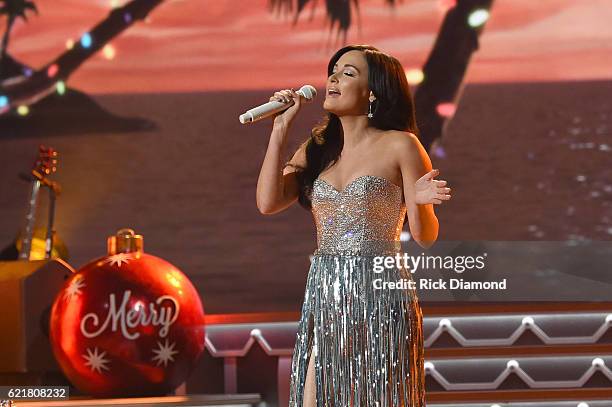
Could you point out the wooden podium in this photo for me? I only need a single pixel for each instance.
(27, 291)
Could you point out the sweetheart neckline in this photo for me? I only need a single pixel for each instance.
(357, 179)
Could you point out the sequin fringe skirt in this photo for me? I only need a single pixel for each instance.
(367, 342)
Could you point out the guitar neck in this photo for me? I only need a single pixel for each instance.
(28, 232)
(50, 224)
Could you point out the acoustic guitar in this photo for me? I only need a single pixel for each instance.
(44, 241)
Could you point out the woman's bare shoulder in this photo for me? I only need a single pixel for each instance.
(402, 142)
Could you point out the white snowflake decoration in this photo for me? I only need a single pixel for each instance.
(164, 353)
(119, 259)
(75, 288)
(96, 361)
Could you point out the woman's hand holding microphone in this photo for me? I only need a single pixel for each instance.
(282, 120)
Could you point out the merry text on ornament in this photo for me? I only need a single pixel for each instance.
(165, 316)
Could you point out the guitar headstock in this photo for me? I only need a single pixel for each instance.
(46, 162)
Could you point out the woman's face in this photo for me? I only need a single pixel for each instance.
(350, 78)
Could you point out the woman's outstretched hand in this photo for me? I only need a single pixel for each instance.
(431, 191)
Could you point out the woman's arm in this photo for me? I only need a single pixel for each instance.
(421, 192)
(277, 187)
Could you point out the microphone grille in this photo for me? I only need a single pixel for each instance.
(308, 91)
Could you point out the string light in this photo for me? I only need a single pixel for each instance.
(69, 43)
(52, 70)
(60, 87)
(414, 76)
(108, 51)
(127, 17)
(478, 17)
(446, 109)
(3, 101)
(438, 150)
(114, 3)
(23, 110)
(86, 40)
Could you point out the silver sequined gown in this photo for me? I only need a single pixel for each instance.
(367, 342)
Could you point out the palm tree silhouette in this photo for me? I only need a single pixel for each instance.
(29, 88)
(446, 65)
(13, 9)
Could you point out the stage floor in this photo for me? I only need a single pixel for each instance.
(209, 400)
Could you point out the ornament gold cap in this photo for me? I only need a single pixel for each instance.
(125, 241)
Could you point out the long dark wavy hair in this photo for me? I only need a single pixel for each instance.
(393, 109)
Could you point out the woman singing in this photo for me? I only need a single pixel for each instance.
(360, 172)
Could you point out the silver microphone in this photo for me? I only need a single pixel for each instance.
(274, 106)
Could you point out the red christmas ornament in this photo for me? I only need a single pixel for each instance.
(128, 324)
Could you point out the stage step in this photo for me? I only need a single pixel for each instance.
(476, 355)
(518, 397)
(208, 400)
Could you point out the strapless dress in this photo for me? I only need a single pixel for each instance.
(367, 341)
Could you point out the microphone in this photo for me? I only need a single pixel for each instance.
(274, 106)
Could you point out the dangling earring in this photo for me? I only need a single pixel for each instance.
(370, 114)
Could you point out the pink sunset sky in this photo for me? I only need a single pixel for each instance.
(201, 45)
